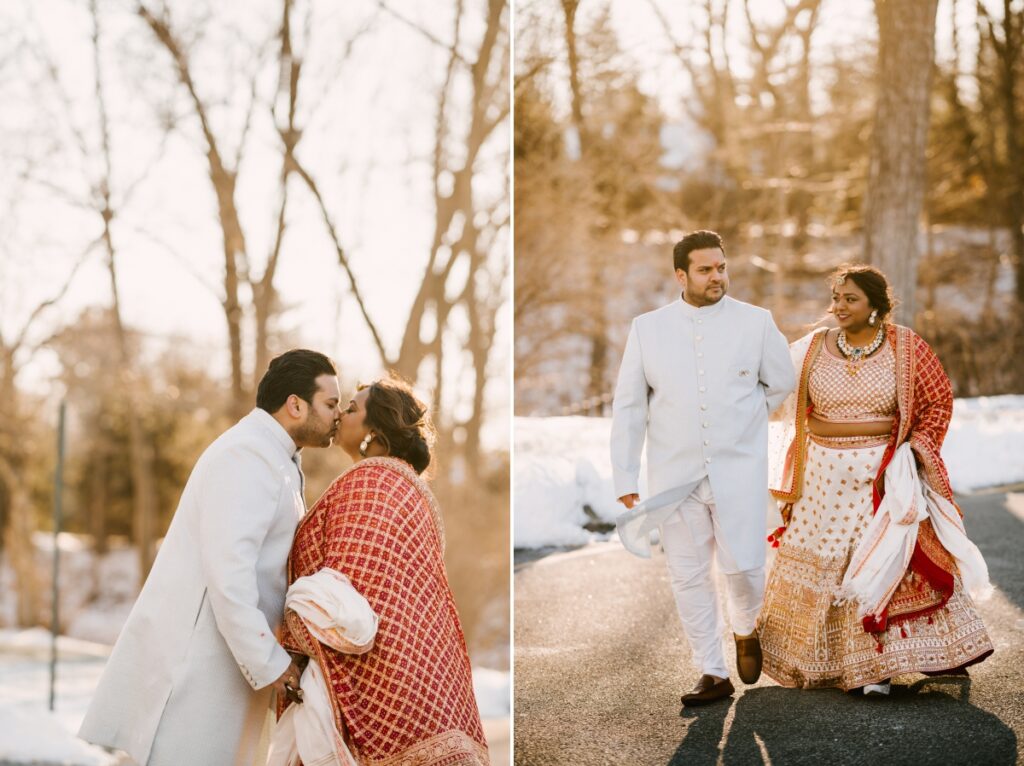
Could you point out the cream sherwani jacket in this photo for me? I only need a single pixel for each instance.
(188, 679)
(698, 384)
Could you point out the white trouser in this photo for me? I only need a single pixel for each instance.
(690, 537)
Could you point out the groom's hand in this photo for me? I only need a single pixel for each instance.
(630, 500)
(290, 677)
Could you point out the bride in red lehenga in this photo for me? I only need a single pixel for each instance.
(409, 699)
(865, 390)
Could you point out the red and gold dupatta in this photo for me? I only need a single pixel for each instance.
(925, 408)
(410, 699)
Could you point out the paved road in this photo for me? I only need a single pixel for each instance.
(600, 663)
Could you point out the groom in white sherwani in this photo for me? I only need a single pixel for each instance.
(698, 380)
(190, 677)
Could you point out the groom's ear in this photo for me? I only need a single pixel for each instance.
(296, 406)
(681, 278)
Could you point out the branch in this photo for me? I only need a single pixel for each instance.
(60, 293)
(426, 33)
(343, 260)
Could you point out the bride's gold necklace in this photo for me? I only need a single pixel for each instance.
(855, 355)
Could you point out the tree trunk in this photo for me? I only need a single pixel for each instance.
(896, 176)
(140, 450)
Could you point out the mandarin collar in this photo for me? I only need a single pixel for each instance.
(269, 423)
(692, 312)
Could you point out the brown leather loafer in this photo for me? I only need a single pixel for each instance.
(748, 657)
(708, 689)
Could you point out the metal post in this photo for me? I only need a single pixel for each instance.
(57, 523)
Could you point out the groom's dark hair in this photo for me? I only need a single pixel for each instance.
(293, 372)
(697, 240)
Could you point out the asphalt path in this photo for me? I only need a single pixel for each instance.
(600, 662)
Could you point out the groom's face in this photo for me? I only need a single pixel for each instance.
(706, 281)
(322, 415)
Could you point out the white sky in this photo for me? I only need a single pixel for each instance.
(368, 144)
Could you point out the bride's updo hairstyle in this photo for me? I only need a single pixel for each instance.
(872, 281)
(400, 421)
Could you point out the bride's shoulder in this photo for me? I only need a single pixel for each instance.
(804, 341)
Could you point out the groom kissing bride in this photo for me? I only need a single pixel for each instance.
(202, 658)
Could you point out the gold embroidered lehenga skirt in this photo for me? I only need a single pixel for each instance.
(806, 640)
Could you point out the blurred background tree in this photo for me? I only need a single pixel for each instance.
(188, 192)
(806, 132)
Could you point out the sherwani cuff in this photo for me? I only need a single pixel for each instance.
(279, 662)
(625, 484)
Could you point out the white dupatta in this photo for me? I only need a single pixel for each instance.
(339, 617)
(883, 554)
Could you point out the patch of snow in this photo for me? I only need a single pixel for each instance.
(492, 689)
(985, 443)
(39, 737)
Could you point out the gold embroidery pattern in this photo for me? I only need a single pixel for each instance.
(806, 640)
(840, 398)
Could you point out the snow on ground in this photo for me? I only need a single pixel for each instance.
(562, 465)
(493, 690)
(29, 732)
(985, 443)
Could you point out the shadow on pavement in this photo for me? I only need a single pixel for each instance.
(927, 722)
(703, 734)
(1000, 535)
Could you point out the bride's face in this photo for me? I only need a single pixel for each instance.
(351, 430)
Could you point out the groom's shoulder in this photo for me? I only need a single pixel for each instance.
(656, 315)
(242, 442)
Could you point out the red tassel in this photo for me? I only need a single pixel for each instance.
(929, 619)
(903, 631)
(878, 647)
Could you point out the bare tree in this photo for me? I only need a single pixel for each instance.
(1006, 38)
(896, 179)
(141, 452)
(467, 231)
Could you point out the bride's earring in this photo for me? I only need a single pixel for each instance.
(365, 443)
(873, 318)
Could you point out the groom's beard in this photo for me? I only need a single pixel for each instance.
(315, 432)
(709, 296)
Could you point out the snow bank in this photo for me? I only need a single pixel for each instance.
(985, 443)
(562, 466)
(38, 737)
(492, 691)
